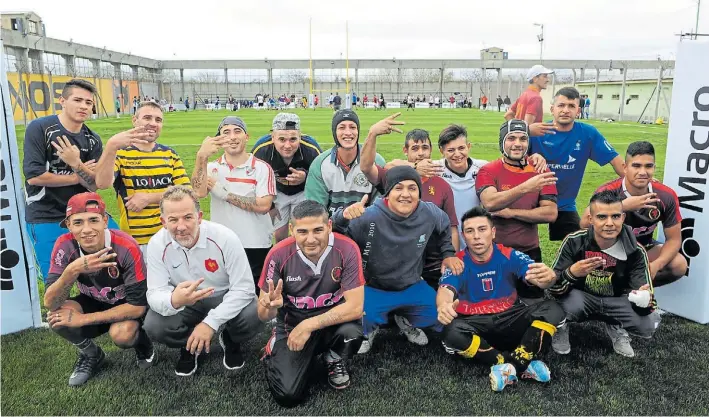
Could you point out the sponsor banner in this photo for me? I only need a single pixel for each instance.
(393, 105)
(686, 172)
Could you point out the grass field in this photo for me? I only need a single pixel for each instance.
(666, 377)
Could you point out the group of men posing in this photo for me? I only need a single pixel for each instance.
(450, 245)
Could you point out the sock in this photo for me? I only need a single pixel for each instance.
(534, 341)
(88, 347)
(331, 356)
(481, 351)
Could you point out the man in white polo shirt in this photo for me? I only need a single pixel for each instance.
(199, 283)
(243, 188)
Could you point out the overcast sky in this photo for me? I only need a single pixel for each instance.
(278, 29)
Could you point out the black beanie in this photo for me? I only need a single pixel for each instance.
(341, 116)
(399, 174)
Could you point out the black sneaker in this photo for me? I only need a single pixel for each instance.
(145, 354)
(86, 367)
(187, 365)
(337, 374)
(233, 359)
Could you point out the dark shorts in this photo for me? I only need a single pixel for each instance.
(566, 222)
(530, 294)
(88, 306)
(256, 257)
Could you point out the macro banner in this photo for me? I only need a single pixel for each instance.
(19, 297)
(687, 172)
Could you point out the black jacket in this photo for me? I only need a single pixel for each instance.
(615, 279)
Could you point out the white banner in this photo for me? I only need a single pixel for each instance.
(370, 105)
(421, 105)
(686, 167)
(19, 297)
(393, 105)
(448, 106)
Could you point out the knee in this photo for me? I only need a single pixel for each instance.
(554, 313)
(647, 326)
(678, 266)
(157, 326)
(572, 306)
(287, 397)
(454, 337)
(350, 331)
(124, 333)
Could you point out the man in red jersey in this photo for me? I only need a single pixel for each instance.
(519, 198)
(313, 284)
(529, 105)
(647, 202)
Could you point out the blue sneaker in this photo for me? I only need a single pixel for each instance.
(502, 376)
(538, 371)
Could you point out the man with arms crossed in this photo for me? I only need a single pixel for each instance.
(289, 153)
(393, 234)
(140, 170)
(567, 151)
(483, 315)
(199, 283)
(314, 285)
(519, 197)
(60, 153)
(603, 274)
(108, 269)
(646, 203)
(243, 188)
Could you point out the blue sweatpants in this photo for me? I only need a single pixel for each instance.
(43, 236)
(417, 303)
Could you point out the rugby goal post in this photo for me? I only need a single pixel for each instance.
(19, 295)
(686, 172)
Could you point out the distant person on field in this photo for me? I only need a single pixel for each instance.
(140, 170)
(499, 103)
(60, 155)
(646, 203)
(483, 316)
(484, 101)
(109, 272)
(199, 285)
(529, 106)
(242, 188)
(317, 311)
(507, 102)
(118, 107)
(567, 148)
(587, 106)
(290, 154)
(603, 274)
(336, 102)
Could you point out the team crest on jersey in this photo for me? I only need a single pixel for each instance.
(58, 257)
(113, 272)
(431, 190)
(654, 214)
(215, 172)
(578, 145)
(211, 265)
(360, 180)
(336, 273)
(487, 284)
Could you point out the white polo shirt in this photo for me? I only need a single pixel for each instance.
(218, 257)
(254, 178)
(463, 187)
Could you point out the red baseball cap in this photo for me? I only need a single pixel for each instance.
(79, 202)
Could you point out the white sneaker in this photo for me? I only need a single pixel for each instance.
(620, 339)
(414, 335)
(560, 340)
(367, 342)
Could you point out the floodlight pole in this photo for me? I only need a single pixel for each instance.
(696, 24)
(347, 57)
(540, 37)
(310, 41)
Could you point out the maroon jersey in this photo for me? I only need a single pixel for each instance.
(309, 289)
(437, 191)
(644, 221)
(116, 285)
(514, 233)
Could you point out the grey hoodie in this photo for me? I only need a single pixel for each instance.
(393, 246)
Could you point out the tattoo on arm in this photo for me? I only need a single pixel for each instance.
(244, 203)
(60, 298)
(328, 319)
(87, 177)
(198, 178)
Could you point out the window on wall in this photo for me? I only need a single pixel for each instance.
(599, 97)
(634, 96)
(14, 24)
(615, 97)
(32, 26)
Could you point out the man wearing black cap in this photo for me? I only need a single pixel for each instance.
(290, 154)
(243, 188)
(393, 234)
(335, 178)
(518, 197)
(109, 272)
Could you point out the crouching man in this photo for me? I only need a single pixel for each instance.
(199, 284)
(313, 284)
(484, 317)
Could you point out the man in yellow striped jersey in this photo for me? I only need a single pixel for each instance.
(140, 170)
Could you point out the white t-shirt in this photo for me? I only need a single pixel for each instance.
(252, 179)
(463, 189)
(437, 100)
(259, 99)
(218, 257)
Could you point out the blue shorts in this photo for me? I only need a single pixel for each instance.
(43, 236)
(417, 303)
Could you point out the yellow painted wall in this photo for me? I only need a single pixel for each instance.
(39, 96)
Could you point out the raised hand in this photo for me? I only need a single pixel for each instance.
(585, 266)
(637, 202)
(538, 182)
(187, 294)
(356, 209)
(296, 176)
(387, 125)
(541, 129)
(132, 137)
(429, 168)
(540, 275)
(67, 151)
(212, 145)
(93, 262)
(274, 297)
